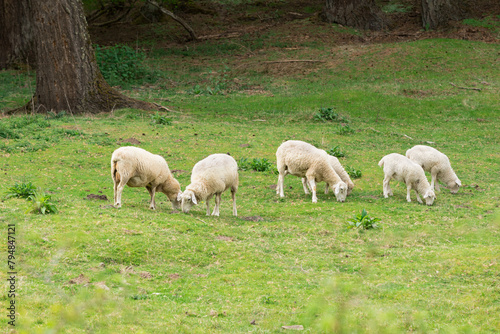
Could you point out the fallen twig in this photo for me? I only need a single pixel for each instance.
(468, 88)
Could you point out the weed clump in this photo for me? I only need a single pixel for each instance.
(353, 172)
(363, 221)
(41, 202)
(158, 119)
(329, 115)
(256, 164)
(120, 64)
(336, 152)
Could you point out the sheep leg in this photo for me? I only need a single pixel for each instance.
(312, 184)
(119, 189)
(305, 185)
(217, 205)
(418, 198)
(434, 181)
(208, 207)
(233, 195)
(279, 188)
(151, 191)
(386, 187)
(408, 189)
(326, 188)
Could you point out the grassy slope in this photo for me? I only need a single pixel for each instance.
(430, 269)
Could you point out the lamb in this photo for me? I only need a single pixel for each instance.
(337, 166)
(211, 176)
(136, 167)
(400, 168)
(304, 160)
(437, 164)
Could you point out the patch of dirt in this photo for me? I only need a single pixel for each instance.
(145, 275)
(131, 140)
(81, 279)
(99, 197)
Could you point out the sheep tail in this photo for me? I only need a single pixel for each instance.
(114, 171)
(381, 162)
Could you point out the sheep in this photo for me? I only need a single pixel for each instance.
(211, 176)
(400, 168)
(437, 164)
(304, 160)
(337, 166)
(136, 167)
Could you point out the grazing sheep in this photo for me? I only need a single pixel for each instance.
(400, 168)
(211, 176)
(136, 167)
(304, 160)
(437, 164)
(337, 166)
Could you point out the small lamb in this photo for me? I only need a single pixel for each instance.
(337, 166)
(304, 160)
(211, 176)
(136, 167)
(400, 168)
(437, 164)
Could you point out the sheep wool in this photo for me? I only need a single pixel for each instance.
(400, 168)
(211, 176)
(436, 163)
(136, 167)
(302, 159)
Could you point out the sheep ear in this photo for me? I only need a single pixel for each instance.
(193, 198)
(459, 182)
(179, 196)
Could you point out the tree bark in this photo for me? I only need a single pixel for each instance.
(15, 34)
(67, 76)
(438, 13)
(361, 14)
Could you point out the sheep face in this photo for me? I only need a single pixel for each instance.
(188, 199)
(454, 185)
(340, 191)
(429, 197)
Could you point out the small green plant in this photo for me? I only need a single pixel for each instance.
(41, 203)
(336, 152)
(159, 119)
(345, 129)
(7, 133)
(353, 172)
(256, 164)
(363, 221)
(121, 64)
(21, 190)
(329, 115)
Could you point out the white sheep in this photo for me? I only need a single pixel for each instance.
(337, 166)
(136, 167)
(301, 159)
(400, 168)
(437, 164)
(211, 176)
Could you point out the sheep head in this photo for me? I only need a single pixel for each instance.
(454, 185)
(429, 197)
(187, 199)
(340, 191)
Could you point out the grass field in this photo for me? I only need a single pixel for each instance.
(92, 268)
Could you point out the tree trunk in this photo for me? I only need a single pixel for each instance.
(15, 33)
(437, 13)
(67, 76)
(361, 14)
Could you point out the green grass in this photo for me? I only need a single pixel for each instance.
(281, 261)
